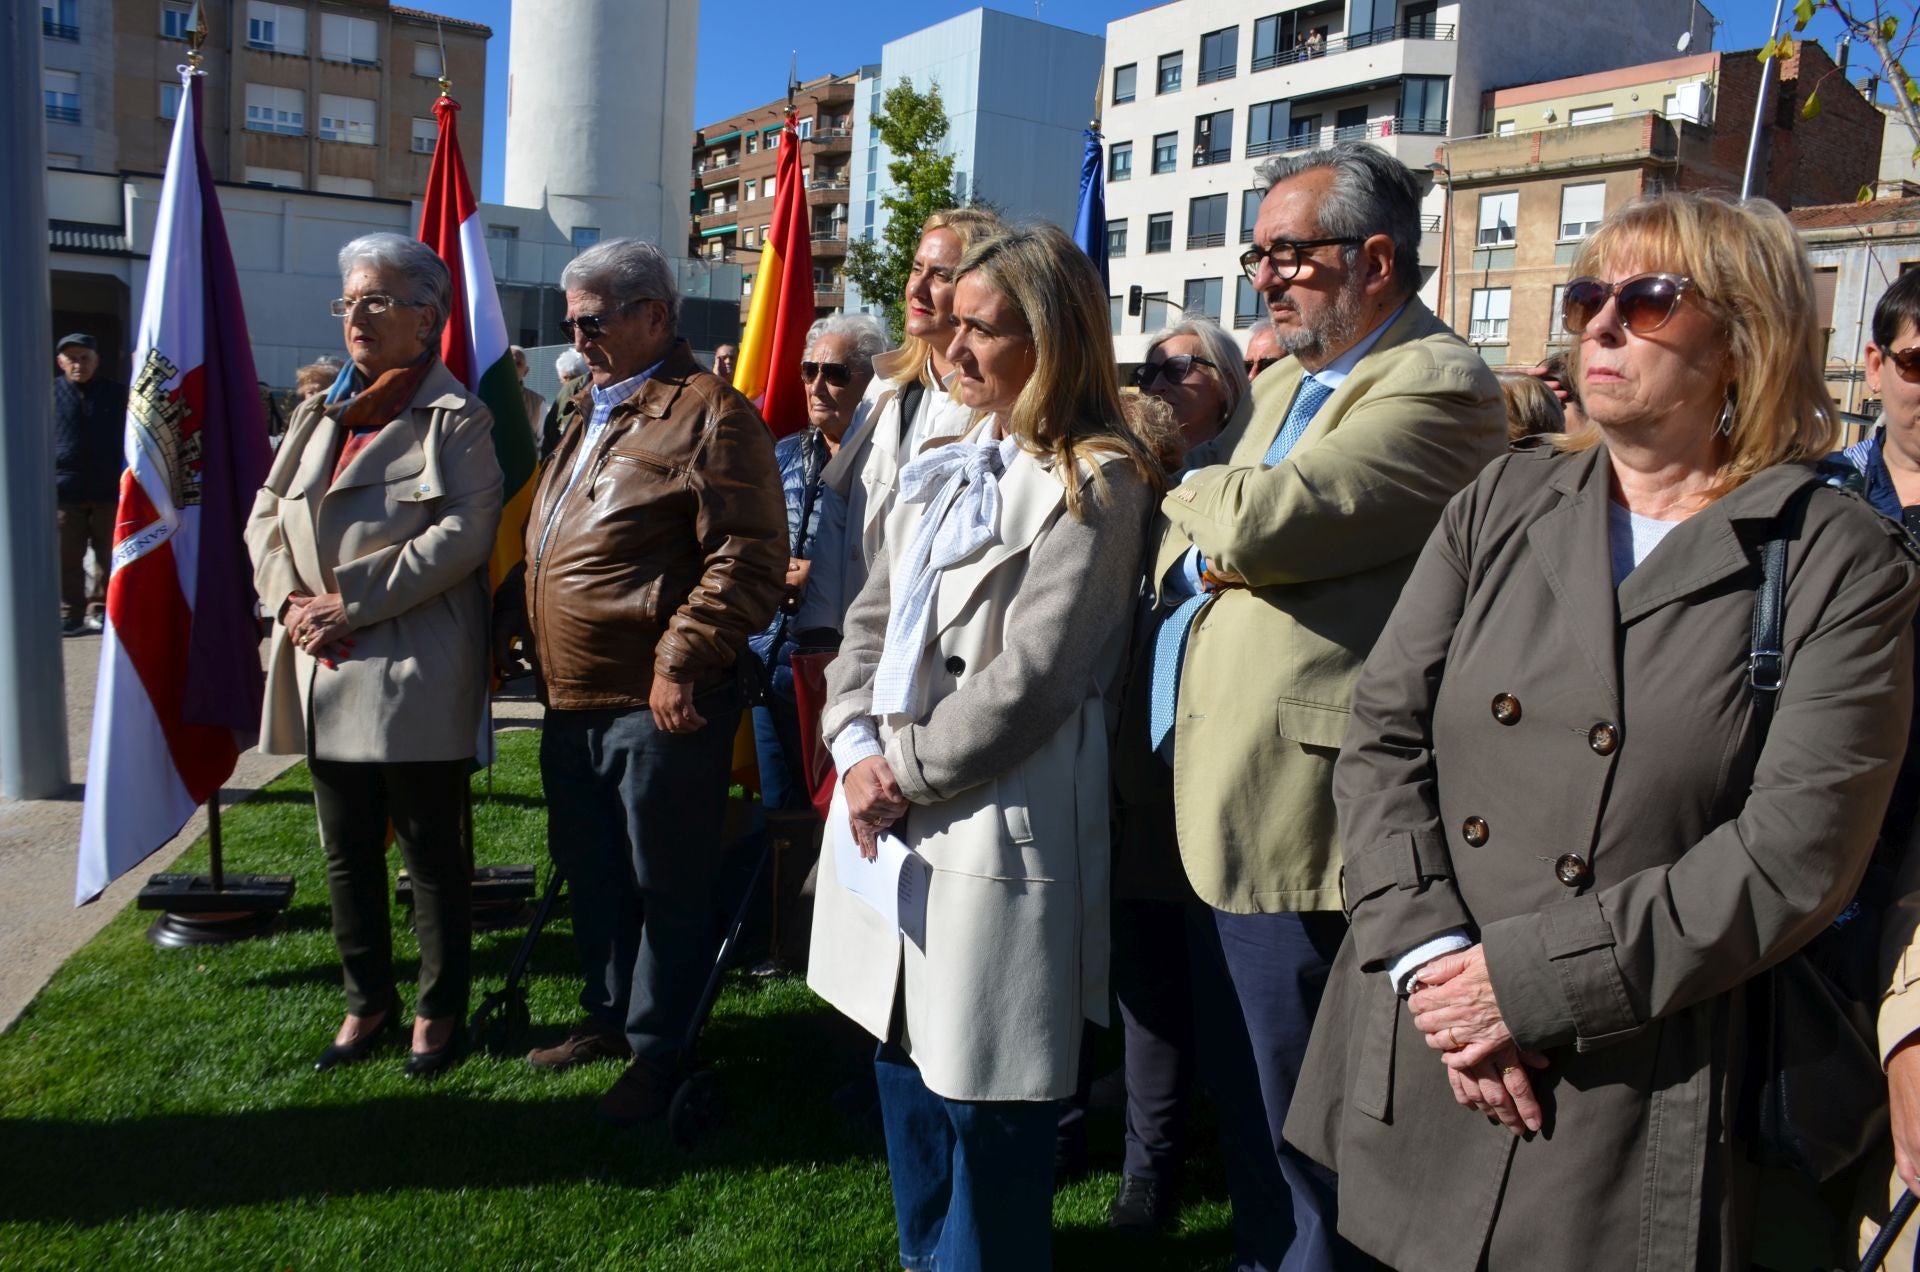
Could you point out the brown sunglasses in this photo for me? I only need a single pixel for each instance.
(1905, 361)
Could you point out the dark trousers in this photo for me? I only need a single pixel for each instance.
(972, 1181)
(1258, 979)
(1153, 982)
(426, 803)
(634, 822)
(776, 743)
(84, 525)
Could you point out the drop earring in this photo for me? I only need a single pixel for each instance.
(1725, 426)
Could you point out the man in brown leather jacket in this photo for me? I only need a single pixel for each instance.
(656, 543)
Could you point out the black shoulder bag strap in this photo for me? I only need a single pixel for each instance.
(1769, 615)
(910, 405)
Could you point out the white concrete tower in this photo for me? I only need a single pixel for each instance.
(600, 115)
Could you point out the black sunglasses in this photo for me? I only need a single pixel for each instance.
(1287, 255)
(838, 374)
(1176, 369)
(594, 326)
(1905, 361)
(1255, 366)
(1644, 302)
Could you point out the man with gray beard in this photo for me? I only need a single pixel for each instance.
(1279, 557)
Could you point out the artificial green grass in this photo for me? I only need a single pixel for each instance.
(159, 1107)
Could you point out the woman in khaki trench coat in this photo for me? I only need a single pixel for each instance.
(968, 712)
(1567, 845)
(370, 542)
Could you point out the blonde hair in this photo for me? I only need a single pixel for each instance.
(1750, 273)
(970, 226)
(1070, 407)
(1532, 408)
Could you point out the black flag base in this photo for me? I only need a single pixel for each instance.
(214, 908)
(502, 896)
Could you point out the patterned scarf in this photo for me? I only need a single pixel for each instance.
(364, 411)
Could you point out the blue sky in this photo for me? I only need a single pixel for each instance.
(745, 46)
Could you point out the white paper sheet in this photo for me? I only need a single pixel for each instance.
(894, 883)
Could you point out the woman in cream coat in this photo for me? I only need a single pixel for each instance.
(370, 543)
(968, 713)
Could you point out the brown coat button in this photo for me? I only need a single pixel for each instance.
(1604, 738)
(1474, 830)
(955, 665)
(1506, 708)
(1573, 870)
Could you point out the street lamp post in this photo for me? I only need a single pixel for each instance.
(1443, 169)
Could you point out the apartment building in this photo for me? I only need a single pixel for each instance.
(1198, 92)
(734, 162)
(1553, 159)
(335, 96)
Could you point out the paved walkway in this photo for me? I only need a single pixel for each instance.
(39, 841)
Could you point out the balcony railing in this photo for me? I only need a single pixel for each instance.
(829, 183)
(1415, 29)
(1373, 130)
(831, 134)
(1430, 224)
(1487, 331)
(1216, 239)
(830, 236)
(1214, 74)
(58, 30)
(1243, 321)
(64, 114)
(1202, 158)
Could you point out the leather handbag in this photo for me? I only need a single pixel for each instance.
(1820, 1096)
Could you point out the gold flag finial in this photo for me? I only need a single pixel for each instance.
(196, 35)
(446, 85)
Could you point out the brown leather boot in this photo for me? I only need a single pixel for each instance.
(643, 1093)
(585, 1043)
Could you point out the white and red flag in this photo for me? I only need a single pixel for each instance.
(180, 679)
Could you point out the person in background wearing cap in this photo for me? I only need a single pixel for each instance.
(89, 417)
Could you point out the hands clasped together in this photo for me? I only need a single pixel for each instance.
(318, 624)
(1453, 1005)
(874, 802)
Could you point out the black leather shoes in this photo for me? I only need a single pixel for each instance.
(354, 1052)
(1142, 1205)
(427, 1064)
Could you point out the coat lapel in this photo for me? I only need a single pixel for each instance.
(1570, 545)
(1707, 547)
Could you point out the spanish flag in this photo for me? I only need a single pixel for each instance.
(768, 371)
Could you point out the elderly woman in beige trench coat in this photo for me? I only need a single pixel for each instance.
(370, 542)
(1567, 847)
(968, 712)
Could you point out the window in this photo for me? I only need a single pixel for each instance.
(174, 20)
(60, 19)
(1582, 208)
(1119, 161)
(426, 134)
(169, 101)
(803, 128)
(1166, 152)
(1423, 105)
(1116, 310)
(1248, 304)
(752, 190)
(1277, 40)
(276, 28)
(1116, 238)
(1350, 124)
(1202, 297)
(348, 119)
(1557, 333)
(1213, 138)
(61, 89)
(1153, 311)
(1303, 131)
(1490, 305)
(1418, 20)
(1219, 54)
(1267, 128)
(1123, 82)
(753, 143)
(503, 233)
(1169, 80)
(427, 61)
(1159, 232)
(1497, 215)
(1589, 114)
(1207, 222)
(1504, 128)
(746, 238)
(276, 110)
(585, 236)
(1250, 201)
(285, 178)
(344, 39)
(1826, 279)
(330, 184)
(717, 204)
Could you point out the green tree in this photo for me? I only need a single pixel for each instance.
(912, 124)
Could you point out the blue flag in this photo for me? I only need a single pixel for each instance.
(1090, 222)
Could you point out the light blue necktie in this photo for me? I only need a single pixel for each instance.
(1170, 642)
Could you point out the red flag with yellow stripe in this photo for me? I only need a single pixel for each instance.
(768, 370)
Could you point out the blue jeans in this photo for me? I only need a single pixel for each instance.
(776, 743)
(634, 822)
(972, 1182)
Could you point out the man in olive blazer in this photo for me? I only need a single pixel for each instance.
(1278, 561)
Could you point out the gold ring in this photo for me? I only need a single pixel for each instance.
(1505, 1069)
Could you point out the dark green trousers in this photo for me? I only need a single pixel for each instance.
(425, 802)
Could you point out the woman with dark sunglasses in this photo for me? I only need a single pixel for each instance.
(836, 366)
(1194, 367)
(1578, 815)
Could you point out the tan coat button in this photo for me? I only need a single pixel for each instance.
(1506, 708)
(1474, 831)
(1573, 870)
(1604, 738)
